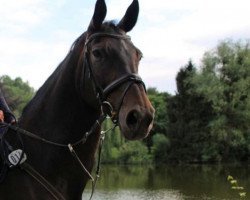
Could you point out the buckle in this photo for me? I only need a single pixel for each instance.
(107, 108)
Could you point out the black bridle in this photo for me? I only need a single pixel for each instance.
(106, 108)
(103, 93)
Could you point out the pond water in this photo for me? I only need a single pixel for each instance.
(182, 182)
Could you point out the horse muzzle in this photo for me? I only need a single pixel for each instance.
(136, 115)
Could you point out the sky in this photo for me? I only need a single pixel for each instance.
(36, 35)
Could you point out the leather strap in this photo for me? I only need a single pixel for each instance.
(135, 78)
(40, 179)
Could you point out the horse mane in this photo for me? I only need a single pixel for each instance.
(110, 26)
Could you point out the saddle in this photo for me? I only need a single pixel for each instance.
(10, 156)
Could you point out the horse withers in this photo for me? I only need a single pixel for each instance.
(98, 76)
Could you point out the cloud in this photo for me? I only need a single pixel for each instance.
(171, 32)
(35, 35)
(18, 16)
(25, 52)
(30, 59)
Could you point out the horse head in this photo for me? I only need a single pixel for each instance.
(111, 61)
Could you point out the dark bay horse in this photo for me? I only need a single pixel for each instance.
(100, 69)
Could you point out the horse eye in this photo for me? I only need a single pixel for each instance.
(97, 53)
(141, 56)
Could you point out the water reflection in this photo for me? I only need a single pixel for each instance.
(187, 182)
(137, 195)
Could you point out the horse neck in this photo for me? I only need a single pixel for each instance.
(58, 113)
(58, 103)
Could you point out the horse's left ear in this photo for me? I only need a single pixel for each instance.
(98, 17)
(130, 18)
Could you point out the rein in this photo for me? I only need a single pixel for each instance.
(39, 178)
(106, 108)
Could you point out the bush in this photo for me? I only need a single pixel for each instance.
(160, 148)
(134, 152)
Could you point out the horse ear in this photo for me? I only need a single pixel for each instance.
(130, 18)
(99, 16)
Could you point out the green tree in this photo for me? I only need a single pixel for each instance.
(112, 144)
(189, 114)
(209, 116)
(226, 71)
(17, 93)
(159, 102)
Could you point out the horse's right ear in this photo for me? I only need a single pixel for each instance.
(99, 16)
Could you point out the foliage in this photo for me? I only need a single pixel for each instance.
(134, 152)
(160, 148)
(235, 186)
(210, 114)
(189, 114)
(231, 99)
(17, 93)
(159, 101)
(112, 143)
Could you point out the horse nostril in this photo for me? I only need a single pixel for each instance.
(132, 119)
